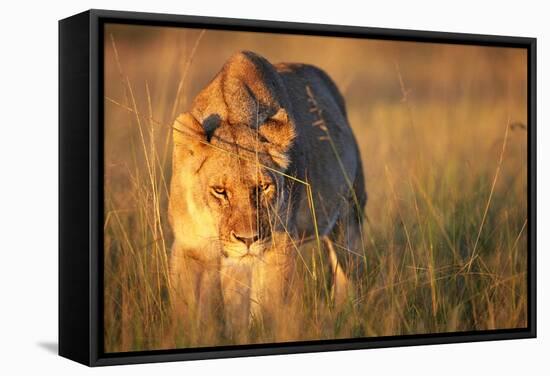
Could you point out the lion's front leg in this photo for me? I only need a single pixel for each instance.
(275, 290)
(236, 283)
(195, 300)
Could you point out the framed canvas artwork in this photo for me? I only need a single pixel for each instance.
(238, 187)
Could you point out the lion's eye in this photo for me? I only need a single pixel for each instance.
(219, 191)
(265, 187)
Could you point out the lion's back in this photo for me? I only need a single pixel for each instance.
(311, 72)
(326, 153)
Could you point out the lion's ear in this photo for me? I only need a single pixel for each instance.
(188, 133)
(280, 132)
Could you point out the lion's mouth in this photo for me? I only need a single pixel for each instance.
(241, 251)
(248, 255)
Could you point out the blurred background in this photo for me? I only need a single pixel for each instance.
(443, 137)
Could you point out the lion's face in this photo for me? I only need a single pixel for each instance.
(242, 197)
(229, 188)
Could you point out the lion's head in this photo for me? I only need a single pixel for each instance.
(226, 194)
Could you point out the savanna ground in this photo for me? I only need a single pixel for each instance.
(443, 138)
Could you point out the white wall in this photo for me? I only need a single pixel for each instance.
(28, 198)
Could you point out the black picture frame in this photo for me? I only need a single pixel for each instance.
(81, 183)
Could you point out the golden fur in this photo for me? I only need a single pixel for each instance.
(235, 212)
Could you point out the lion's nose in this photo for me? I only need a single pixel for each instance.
(248, 241)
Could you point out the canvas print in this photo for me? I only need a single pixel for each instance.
(266, 188)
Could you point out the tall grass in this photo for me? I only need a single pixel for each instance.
(445, 244)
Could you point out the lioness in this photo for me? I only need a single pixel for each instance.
(255, 138)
